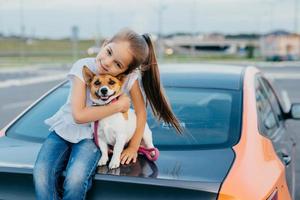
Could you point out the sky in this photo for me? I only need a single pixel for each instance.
(99, 18)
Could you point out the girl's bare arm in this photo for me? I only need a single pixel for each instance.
(84, 114)
(130, 153)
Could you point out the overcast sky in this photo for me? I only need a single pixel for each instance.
(54, 18)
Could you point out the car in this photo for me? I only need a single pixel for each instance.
(235, 143)
(279, 58)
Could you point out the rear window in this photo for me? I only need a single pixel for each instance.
(211, 118)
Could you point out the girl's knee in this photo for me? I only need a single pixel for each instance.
(42, 174)
(79, 177)
(78, 183)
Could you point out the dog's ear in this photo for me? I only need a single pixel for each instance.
(88, 75)
(122, 77)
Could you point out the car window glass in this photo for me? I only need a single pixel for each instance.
(211, 118)
(267, 120)
(272, 98)
(206, 115)
(270, 121)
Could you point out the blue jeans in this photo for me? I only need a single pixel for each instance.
(79, 161)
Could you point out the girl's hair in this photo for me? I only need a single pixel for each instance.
(144, 58)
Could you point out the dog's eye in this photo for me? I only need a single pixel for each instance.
(111, 82)
(97, 82)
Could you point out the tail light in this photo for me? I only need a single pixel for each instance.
(273, 196)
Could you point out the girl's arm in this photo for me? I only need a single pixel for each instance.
(130, 153)
(84, 114)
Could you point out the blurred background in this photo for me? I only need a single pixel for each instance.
(39, 40)
(61, 31)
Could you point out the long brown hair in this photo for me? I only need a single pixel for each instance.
(144, 58)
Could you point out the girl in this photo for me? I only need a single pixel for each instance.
(70, 146)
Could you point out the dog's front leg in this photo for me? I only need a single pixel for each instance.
(118, 148)
(104, 153)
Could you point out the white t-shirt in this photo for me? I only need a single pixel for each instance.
(62, 121)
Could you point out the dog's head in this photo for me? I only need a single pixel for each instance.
(104, 88)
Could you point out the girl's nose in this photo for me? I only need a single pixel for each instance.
(107, 61)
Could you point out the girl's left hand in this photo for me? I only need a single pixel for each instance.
(128, 155)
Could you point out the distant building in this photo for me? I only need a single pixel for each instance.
(280, 46)
(208, 44)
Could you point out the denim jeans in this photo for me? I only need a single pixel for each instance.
(79, 161)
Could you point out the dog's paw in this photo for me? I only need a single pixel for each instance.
(114, 163)
(116, 171)
(103, 160)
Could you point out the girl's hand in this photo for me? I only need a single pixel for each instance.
(128, 155)
(124, 103)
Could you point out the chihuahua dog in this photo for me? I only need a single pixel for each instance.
(117, 129)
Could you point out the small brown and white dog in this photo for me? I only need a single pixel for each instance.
(117, 129)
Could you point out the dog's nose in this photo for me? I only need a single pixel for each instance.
(104, 91)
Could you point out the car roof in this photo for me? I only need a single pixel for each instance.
(202, 75)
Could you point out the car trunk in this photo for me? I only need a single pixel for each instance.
(176, 174)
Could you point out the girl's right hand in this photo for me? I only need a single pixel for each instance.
(124, 103)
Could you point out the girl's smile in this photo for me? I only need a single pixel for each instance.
(102, 68)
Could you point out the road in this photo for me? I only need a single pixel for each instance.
(20, 88)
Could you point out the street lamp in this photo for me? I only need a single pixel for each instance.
(22, 30)
(296, 26)
(296, 16)
(161, 9)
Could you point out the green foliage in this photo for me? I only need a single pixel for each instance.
(38, 46)
(15, 52)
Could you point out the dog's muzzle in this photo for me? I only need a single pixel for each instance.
(104, 93)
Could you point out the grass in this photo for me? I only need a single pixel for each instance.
(39, 45)
(18, 53)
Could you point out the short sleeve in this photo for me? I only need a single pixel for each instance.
(77, 67)
(76, 70)
(131, 78)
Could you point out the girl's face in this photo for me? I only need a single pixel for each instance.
(114, 58)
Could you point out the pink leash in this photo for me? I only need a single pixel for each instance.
(142, 150)
(97, 122)
(95, 133)
(148, 153)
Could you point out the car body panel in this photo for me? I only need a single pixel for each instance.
(174, 169)
(256, 161)
(283, 139)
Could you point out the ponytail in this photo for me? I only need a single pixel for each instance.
(154, 91)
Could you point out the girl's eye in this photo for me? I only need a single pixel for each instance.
(108, 52)
(118, 65)
(111, 82)
(97, 82)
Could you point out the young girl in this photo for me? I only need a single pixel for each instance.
(70, 145)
